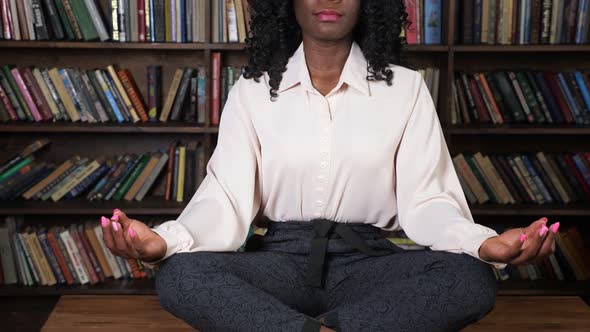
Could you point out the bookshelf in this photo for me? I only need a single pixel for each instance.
(97, 139)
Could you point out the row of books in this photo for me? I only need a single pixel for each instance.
(569, 262)
(540, 178)
(127, 177)
(70, 94)
(431, 76)
(525, 96)
(524, 22)
(186, 170)
(425, 21)
(230, 21)
(111, 95)
(176, 21)
(73, 254)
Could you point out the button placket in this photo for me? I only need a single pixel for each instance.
(324, 161)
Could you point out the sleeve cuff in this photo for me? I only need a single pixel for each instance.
(177, 239)
(474, 242)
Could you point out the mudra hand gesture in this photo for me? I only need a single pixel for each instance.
(130, 238)
(530, 244)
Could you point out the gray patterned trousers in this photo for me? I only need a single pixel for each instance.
(265, 288)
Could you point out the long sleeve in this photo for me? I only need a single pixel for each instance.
(432, 208)
(218, 216)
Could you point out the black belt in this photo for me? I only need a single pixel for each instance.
(319, 245)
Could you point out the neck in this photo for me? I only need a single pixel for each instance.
(326, 59)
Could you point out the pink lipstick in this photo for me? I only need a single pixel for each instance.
(328, 15)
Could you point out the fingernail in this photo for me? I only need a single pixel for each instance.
(104, 221)
(115, 217)
(543, 230)
(115, 211)
(554, 227)
(544, 219)
(116, 226)
(131, 232)
(522, 237)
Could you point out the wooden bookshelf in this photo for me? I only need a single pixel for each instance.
(147, 287)
(146, 128)
(100, 139)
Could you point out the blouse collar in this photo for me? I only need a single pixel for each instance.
(354, 72)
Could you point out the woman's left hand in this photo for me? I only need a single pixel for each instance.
(538, 243)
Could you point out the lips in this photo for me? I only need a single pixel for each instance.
(328, 15)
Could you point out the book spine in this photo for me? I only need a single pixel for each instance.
(93, 96)
(201, 95)
(60, 258)
(74, 97)
(72, 19)
(141, 20)
(84, 259)
(93, 260)
(153, 92)
(26, 94)
(62, 247)
(96, 18)
(109, 96)
(87, 182)
(75, 257)
(129, 180)
(52, 260)
(56, 28)
(97, 251)
(152, 177)
(36, 94)
(133, 94)
(215, 81)
(107, 253)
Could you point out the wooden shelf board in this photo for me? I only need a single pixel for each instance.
(147, 287)
(157, 205)
(150, 205)
(520, 48)
(578, 209)
(165, 46)
(109, 287)
(517, 130)
(68, 127)
(544, 287)
(103, 45)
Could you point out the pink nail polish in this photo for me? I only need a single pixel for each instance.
(543, 230)
(554, 227)
(104, 221)
(116, 226)
(131, 232)
(522, 237)
(115, 211)
(115, 217)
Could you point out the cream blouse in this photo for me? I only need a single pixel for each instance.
(364, 153)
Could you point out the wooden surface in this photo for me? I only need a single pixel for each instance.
(535, 313)
(143, 313)
(112, 313)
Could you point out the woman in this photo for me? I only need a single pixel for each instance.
(329, 140)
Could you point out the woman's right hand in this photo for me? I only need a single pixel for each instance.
(130, 238)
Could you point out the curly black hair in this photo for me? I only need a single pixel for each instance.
(275, 35)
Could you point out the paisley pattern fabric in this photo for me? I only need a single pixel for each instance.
(264, 288)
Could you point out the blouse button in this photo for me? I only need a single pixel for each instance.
(323, 164)
(319, 202)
